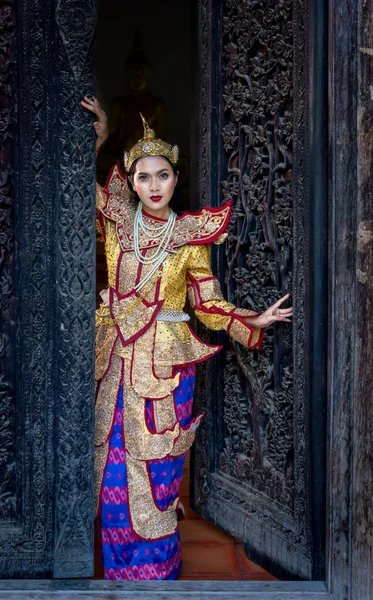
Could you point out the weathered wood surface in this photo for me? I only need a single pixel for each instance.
(207, 590)
(342, 228)
(362, 476)
(203, 593)
(351, 302)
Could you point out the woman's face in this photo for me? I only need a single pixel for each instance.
(154, 181)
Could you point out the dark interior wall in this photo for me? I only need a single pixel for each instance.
(165, 28)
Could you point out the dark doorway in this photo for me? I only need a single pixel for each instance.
(153, 42)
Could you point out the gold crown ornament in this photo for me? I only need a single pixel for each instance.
(150, 145)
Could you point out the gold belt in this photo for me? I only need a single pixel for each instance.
(167, 314)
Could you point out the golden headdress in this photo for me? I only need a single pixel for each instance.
(150, 145)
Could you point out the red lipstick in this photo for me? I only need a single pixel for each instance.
(155, 198)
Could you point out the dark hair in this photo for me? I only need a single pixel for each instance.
(176, 202)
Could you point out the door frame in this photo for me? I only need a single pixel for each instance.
(350, 336)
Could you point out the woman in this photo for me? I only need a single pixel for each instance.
(146, 353)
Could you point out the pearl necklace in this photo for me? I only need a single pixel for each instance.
(149, 230)
(162, 233)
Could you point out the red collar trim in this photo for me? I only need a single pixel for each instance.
(202, 227)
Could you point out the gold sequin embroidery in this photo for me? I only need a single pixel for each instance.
(127, 273)
(208, 303)
(210, 290)
(112, 252)
(143, 381)
(104, 349)
(141, 443)
(106, 400)
(244, 312)
(131, 314)
(148, 521)
(175, 345)
(240, 332)
(164, 413)
(186, 437)
(213, 320)
(100, 197)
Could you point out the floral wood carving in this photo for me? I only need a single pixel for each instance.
(75, 294)
(7, 302)
(25, 551)
(257, 141)
(256, 102)
(76, 22)
(54, 287)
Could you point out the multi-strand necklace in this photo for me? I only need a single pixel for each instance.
(162, 233)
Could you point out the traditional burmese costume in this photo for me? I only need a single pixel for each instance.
(146, 354)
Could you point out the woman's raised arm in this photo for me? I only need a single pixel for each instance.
(101, 125)
(209, 305)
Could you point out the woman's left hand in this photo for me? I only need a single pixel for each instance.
(272, 314)
(101, 125)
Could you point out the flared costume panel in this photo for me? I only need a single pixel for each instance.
(125, 555)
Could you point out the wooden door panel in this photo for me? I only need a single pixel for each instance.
(26, 420)
(76, 293)
(259, 458)
(8, 494)
(47, 295)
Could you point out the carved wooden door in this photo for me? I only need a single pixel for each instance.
(258, 466)
(47, 289)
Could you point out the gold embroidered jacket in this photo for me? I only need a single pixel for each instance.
(187, 271)
(139, 344)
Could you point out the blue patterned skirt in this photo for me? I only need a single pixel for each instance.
(125, 555)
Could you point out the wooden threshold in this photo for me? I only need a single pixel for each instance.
(207, 590)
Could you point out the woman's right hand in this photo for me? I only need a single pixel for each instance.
(101, 125)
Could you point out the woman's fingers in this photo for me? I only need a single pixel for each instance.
(88, 106)
(94, 106)
(278, 303)
(281, 317)
(89, 101)
(281, 301)
(285, 311)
